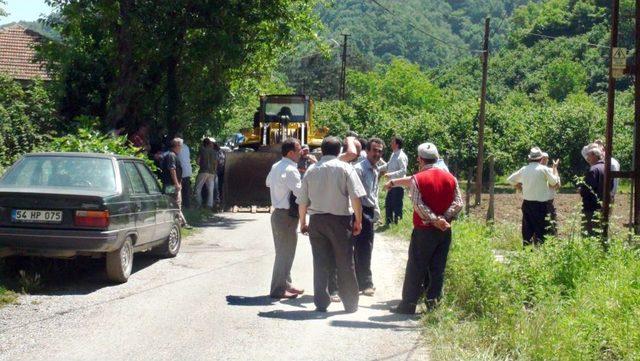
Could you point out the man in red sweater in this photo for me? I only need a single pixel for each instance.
(436, 201)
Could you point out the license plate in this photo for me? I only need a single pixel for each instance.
(36, 216)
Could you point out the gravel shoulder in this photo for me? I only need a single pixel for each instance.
(210, 303)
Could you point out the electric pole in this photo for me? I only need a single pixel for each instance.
(615, 10)
(483, 101)
(343, 72)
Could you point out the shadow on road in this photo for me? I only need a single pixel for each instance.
(371, 325)
(62, 277)
(299, 315)
(221, 221)
(268, 301)
(250, 301)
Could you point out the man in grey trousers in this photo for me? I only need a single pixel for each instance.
(325, 193)
(283, 182)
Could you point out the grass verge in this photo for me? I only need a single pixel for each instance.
(566, 300)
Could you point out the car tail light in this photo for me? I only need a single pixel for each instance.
(98, 219)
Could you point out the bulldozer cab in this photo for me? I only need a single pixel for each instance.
(277, 118)
(280, 117)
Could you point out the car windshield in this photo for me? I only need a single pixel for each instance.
(62, 172)
(295, 109)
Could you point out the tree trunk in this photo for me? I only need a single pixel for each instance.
(118, 113)
(173, 97)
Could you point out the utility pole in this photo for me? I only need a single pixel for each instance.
(343, 72)
(483, 101)
(606, 202)
(636, 129)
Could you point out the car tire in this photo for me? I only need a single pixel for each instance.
(120, 262)
(171, 246)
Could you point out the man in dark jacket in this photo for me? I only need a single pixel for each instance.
(592, 189)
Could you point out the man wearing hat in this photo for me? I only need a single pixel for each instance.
(536, 179)
(306, 160)
(436, 201)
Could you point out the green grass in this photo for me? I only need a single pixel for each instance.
(567, 300)
(7, 297)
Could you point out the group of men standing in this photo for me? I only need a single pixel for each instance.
(339, 192)
(176, 172)
(539, 184)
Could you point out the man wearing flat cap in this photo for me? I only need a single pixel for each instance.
(436, 201)
(536, 180)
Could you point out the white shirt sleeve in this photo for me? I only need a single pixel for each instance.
(293, 181)
(269, 181)
(516, 177)
(552, 179)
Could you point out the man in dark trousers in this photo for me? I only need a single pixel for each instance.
(325, 193)
(396, 168)
(172, 176)
(369, 174)
(592, 189)
(537, 181)
(436, 201)
(284, 180)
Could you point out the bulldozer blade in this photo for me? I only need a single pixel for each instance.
(245, 176)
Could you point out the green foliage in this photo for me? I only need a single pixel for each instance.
(168, 63)
(567, 300)
(565, 77)
(26, 117)
(89, 140)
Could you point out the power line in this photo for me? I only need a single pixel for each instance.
(420, 30)
(565, 38)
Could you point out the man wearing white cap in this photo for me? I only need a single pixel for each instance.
(592, 188)
(536, 180)
(436, 201)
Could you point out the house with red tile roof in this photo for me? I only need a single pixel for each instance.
(17, 53)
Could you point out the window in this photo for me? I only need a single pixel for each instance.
(135, 180)
(46, 171)
(149, 178)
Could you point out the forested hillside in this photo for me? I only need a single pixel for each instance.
(427, 32)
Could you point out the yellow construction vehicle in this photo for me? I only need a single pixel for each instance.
(279, 117)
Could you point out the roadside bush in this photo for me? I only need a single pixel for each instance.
(92, 141)
(26, 118)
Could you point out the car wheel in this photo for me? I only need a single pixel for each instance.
(120, 262)
(171, 246)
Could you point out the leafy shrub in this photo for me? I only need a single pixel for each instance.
(92, 141)
(26, 118)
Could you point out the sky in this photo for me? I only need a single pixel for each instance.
(28, 10)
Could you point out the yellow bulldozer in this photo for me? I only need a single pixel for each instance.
(277, 118)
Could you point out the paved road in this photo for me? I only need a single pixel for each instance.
(209, 303)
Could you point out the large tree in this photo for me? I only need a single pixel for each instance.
(168, 62)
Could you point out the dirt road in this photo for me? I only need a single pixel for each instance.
(210, 303)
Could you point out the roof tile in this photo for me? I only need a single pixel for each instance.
(17, 54)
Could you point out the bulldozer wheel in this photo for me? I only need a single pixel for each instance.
(234, 209)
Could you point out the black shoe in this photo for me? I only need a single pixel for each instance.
(404, 310)
(431, 305)
(318, 309)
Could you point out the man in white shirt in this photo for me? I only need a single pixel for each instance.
(536, 180)
(187, 171)
(396, 168)
(283, 182)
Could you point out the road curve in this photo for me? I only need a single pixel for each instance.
(210, 303)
